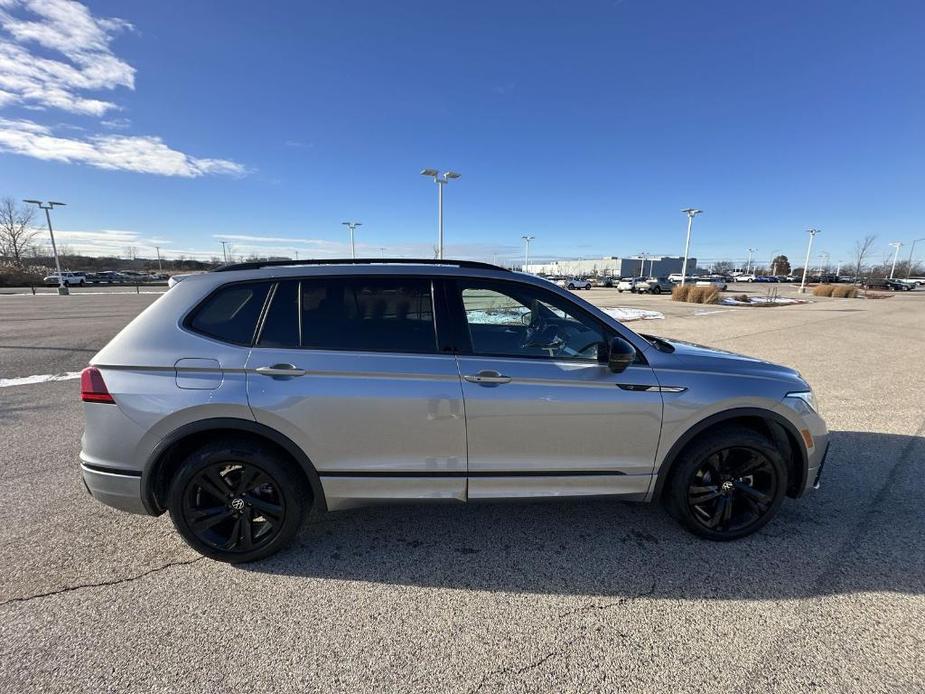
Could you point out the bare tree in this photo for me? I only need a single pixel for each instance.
(16, 231)
(862, 249)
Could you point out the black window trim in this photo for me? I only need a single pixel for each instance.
(457, 316)
(186, 322)
(424, 279)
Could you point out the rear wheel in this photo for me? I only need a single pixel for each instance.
(656, 290)
(236, 501)
(727, 485)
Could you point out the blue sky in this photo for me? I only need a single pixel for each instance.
(588, 125)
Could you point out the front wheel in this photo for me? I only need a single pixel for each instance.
(656, 290)
(727, 485)
(236, 501)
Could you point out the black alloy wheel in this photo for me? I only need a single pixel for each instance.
(235, 507)
(727, 484)
(237, 502)
(732, 489)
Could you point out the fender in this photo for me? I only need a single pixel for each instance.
(778, 424)
(152, 464)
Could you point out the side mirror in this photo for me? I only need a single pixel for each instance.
(620, 355)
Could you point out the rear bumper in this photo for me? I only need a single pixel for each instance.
(120, 489)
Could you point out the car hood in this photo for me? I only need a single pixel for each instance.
(688, 355)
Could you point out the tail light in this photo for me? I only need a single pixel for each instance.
(93, 387)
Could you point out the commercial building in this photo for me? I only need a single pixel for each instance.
(613, 266)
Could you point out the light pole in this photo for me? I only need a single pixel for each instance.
(527, 240)
(897, 245)
(441, 180)
(352, 227)
(824, 268)
(809, 249)
(690, 211)
(748, 263)
(911, 252)
(47, 206)
(159, 268)
(224, 250)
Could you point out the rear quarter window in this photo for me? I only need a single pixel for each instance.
(231, 313)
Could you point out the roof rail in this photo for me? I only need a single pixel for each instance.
(256, 265)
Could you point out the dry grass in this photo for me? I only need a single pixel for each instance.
(695, 295)
(680, 292)
(845, 291)
(823, 289)
(876, 295)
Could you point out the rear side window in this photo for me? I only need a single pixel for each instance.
(231, 313)
(281, 325)
(368, 314)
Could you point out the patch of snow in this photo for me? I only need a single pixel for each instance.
(778, 301)
(625, 314)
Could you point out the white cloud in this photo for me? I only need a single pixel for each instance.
(54, 54)
(141, 154)
(82, 40)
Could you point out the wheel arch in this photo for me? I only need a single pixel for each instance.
(163, 462)
(773, 425)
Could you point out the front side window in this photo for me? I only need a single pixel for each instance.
(231, 313)
(514, 320)
(368, 314)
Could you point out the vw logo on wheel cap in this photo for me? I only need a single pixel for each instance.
(237, 503)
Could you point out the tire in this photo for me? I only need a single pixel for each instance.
(572, 287)
(256, 511)
(656, 290)
(619, 291)
(707, 494)
(83, 283)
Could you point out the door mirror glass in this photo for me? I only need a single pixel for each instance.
(621, 355)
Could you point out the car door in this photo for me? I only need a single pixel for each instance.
(545, 415)
(349, 369)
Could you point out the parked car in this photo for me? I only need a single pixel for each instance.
(630, 284)
(608, 281)
(717, 281)
(109, 277)
(886, 284)
(675, 278)
(745, 278)
(655, 285)
(574, 283)
(68, 279)
(247, 396)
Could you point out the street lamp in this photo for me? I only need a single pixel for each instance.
(224, 250)
(748, 263)
(897, 245)
(160, 270)
(441, 180)
(47, 206)
(809, 249)
(824, 268)
(527, 240)
(911, 252)
(690, 211)
(352, 227)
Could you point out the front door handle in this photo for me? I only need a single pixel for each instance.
(487, 377)
(280, 370)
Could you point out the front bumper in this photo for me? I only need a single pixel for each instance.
(120, 489)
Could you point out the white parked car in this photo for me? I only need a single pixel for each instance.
(745, 278)
(712, 281)
(70, 279)
(630, 284)
(574, 283)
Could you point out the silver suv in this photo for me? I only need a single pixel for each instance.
(247, 396)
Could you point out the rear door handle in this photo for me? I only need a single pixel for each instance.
(487, 377)
(280, 370)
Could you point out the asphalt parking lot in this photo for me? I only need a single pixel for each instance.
(563, 596)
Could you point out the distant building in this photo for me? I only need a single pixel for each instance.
(613, 266)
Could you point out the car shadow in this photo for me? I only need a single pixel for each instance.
(862, 531)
